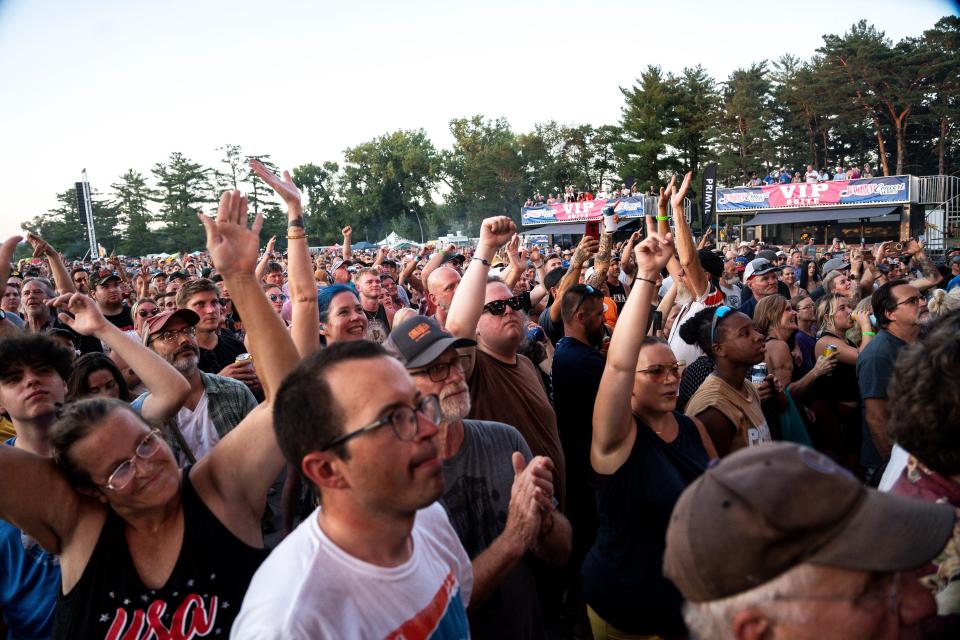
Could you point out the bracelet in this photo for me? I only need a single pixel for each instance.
(868, 333)
(302, 237)
(653, 282)
(484, 262)
(663, 218)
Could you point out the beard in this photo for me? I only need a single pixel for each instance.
(185, 360)
(684, 297)
(454, 402)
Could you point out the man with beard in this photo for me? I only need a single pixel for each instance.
(81, 280)
(577, 369)
(441, 285)
(761, 277)
(730, 281)
(39, 319)
(216, 404)
(498, 499)
(378, 318)
(108, 296)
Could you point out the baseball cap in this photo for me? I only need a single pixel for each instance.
(419, 340)
(177, 275)
(833, 264)
(105, 278)
(341, 263)
(955, 260)
(767, 254)
(758, 267)
(156, 324)
(764, 510)
(741, 262)
(455, 257)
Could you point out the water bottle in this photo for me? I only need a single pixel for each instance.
(609, 219)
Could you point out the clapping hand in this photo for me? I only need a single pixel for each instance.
(232, 246)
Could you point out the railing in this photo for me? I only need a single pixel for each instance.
(942, 222)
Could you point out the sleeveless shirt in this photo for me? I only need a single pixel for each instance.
(622, 574)
(200, 598)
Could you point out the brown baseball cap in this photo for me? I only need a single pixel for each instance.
(156, 324)
(766, 509)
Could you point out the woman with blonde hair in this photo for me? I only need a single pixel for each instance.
(777, 321)
(941, 303)
(837, 431)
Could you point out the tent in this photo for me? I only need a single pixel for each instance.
(396, 242)
(363, 244)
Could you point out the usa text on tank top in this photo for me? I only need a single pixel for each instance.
(200, 598)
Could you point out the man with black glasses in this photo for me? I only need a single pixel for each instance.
(498, 497)
(379, 559)
(504, 386)
(216, 404)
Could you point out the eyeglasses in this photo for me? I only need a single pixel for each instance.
(403, 420)
(658, 372)
(126, 470)
(143, 313)
(912, 301)
(173, 335)
(722, 312)
(518, 302)
(587, 291)
(440, 371)
(881, 591)
(277, 297)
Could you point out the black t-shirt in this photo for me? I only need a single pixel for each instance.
(226, 352)
(378, 325)
(619, 294)
(122, 320)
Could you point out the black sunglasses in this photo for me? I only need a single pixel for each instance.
(518, 302)
(587, 291)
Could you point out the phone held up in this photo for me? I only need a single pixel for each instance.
(592, 229)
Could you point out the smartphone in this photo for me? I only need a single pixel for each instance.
(657, 324)
(592, 229)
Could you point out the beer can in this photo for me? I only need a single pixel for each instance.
(830, 350)
(758, 373)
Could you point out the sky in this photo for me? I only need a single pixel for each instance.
(109, 85)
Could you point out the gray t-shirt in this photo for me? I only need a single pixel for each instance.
(478, 482)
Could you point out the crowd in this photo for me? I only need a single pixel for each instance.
(782, 175)
(571, 194)
(653, 438)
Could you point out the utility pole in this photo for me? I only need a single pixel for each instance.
(85, 209)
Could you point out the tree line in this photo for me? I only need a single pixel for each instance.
(860, 98)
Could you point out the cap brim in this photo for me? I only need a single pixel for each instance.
(764, 271)
(889, 533)
(436, 349)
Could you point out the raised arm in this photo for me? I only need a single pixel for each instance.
(168, 388)
(265, 260)
(663, 223)
(61, 277)
(588, 246)
(601, 264)
(613, 426)
(467, 303)
(929, 276)
(515, 270)
(683, 238)
(240, 469)
(346, 252)
(305, 320)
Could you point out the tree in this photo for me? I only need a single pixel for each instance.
(63, 227)
(183, 189)
(131, 195)
(323, 209)
(744, 140)
(694, 106)
(944, 43)
(644, 123)
(387, 184)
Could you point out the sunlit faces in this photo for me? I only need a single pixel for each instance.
(383, 473)
(206, 304)
(108, 293)
(32, 299)
(502, 334)
(444, 378)
(737, 340)
(11, 299)
(443, 283)
(181, 352)
(345, 319)
(763, 285)
(910, 305)
(112, 442)
(28, 393)
(276, 297)
(370, 286)
(656, 385)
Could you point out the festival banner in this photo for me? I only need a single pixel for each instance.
(890, 189)
(708, 191)
(631, 207)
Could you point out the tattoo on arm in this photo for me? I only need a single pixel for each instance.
(602, 258)
(296, 222)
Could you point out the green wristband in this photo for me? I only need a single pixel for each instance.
(663, 217)
(868, 333)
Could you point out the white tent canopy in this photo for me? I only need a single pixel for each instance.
(394, 241)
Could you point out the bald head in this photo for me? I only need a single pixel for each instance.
(441, 285)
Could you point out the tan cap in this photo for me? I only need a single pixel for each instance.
(766, 509)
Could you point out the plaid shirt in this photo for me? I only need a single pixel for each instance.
(228, 401)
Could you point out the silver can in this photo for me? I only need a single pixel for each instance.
(758, 373)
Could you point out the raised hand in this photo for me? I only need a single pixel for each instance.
(40, 246)
(87, 319)
(270, 244)
(496, 231)
(284, 187)
(676, 199)
(653, 254)
(588, 246)
(233, 248)
(347, 231)
(513, 248)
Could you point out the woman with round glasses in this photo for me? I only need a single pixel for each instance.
(644, 454)
(143, 309)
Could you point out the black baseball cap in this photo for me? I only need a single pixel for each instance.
(104, 279)
(419, 340)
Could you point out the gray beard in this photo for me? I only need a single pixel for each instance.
(186, 365)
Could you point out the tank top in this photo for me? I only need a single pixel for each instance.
(622, 575)
(841, 385)
(201, 597)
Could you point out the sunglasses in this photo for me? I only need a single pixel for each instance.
(518, 302)
(659, 371)
(722, 312)
(143, 313)
(587, 291)
(277, 297)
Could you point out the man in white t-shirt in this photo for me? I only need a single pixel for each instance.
(378, 558)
